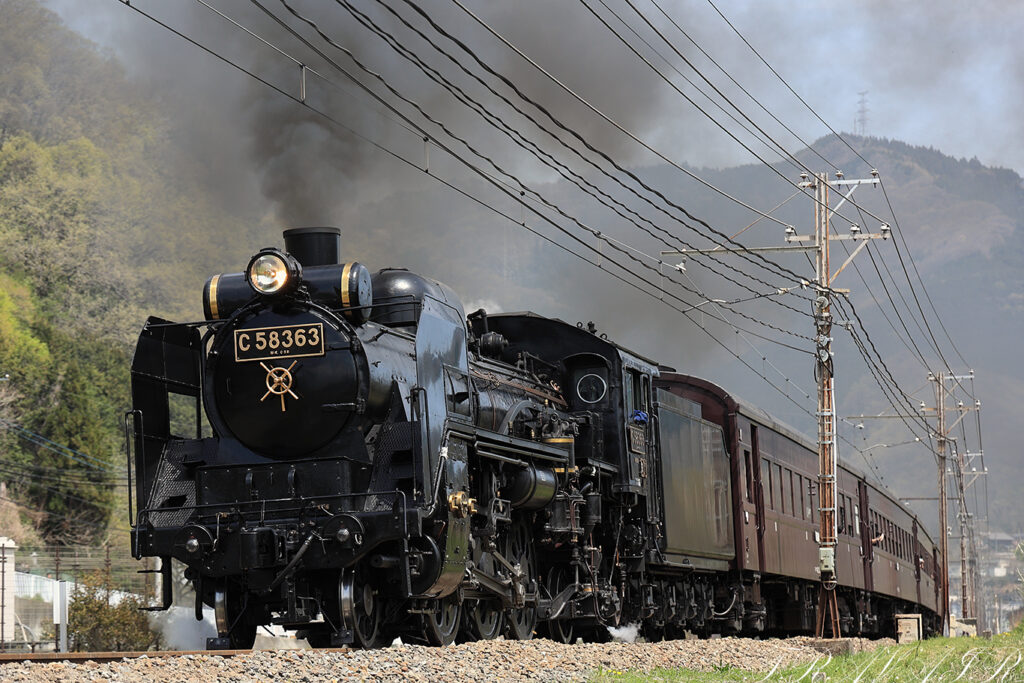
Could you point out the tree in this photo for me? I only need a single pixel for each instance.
(99, 623)
(104, 219)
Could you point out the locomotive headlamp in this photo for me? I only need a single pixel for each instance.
(272, 272)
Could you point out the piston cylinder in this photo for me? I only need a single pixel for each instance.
(531, 488)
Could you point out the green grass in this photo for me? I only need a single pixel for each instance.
(1000, 659)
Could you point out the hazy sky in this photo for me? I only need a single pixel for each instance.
(943, 73)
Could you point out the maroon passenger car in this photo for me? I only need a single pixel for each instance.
(886, 563)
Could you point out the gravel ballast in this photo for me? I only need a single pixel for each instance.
(496, 660)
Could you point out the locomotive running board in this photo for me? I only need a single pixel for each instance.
(511, 446)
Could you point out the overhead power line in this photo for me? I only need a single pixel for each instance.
(755, 259)
(788, 86)
(322, 36)
(449, 184)
(631, 253)
(607, 200)
(924, 288)
(59, 449)
(897, 229)
(632, 136)
(563, 170)
(770, 141)
(767, 139)
(764, 264)
(457, 189)
(742, 89)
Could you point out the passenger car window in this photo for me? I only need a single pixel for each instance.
(749, 474)
(781, 500)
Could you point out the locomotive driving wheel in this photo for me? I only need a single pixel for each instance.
(483, 619)
(560, 630)
(520, 621)
(442, 625)
(361, 608)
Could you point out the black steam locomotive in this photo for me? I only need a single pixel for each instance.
(350, 456)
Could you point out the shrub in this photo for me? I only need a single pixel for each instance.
(97, 624)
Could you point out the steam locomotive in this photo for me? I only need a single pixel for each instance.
(353, 457)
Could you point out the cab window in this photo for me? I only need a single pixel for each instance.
(636, 389)
(589, 387)
(631, 387)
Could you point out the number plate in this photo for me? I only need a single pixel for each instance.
(637, 439)
(284, 341)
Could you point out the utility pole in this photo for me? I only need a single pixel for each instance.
(968, 565)
(828, 452)
(940, 442)
(966, 475)
(828, 455)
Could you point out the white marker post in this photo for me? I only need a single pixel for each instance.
(60, 613)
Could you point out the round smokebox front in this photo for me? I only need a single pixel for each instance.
(285, 382)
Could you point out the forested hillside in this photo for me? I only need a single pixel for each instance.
(99, 226)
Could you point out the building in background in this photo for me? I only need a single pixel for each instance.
(1002, 568)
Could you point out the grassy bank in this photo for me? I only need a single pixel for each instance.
(1000, 658)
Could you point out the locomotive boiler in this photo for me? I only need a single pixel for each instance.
(353, 457)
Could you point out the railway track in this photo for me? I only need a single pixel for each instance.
(77, 657)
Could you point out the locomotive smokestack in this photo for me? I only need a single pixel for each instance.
(314, 246)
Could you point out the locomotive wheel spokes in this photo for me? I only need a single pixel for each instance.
(360, 608)
(560, 630)
(442, 625)
(483, 619)
(520, 622)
